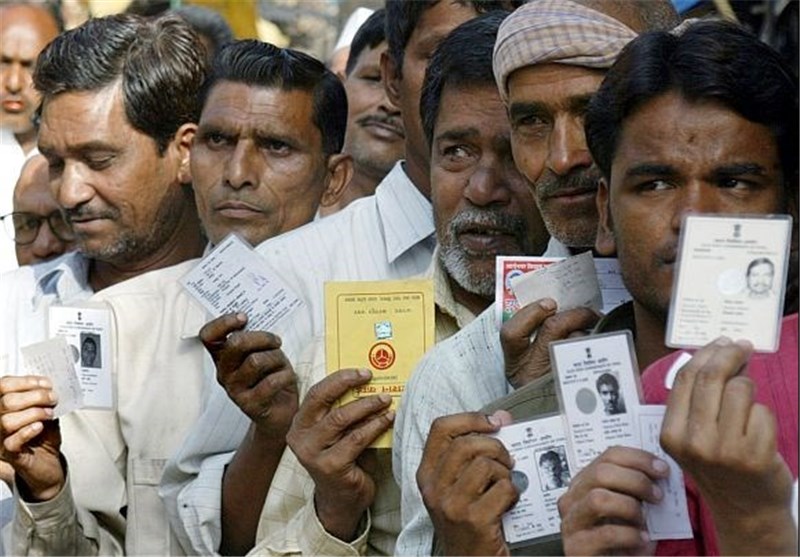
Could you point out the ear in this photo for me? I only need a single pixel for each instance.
(182, 142)
(340, 171)
(390, 77)
(605, 243)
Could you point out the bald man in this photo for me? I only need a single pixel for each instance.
(41, 232)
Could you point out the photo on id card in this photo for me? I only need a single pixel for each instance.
(599, 392)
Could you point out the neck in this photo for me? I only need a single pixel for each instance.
(361, 184)
(473, 302)
(650, 334)
(26, 140)
(187, 242)
(419, 174)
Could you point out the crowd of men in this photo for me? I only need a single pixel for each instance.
(458, 132)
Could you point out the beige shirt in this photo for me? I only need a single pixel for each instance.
(289, 524)
(115, 458)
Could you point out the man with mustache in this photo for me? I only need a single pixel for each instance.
(25, 29)
(378, 237)
(546, 85)
(115, 131)
(263, 158)
(375, 137)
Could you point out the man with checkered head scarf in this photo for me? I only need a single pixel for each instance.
(549, 57)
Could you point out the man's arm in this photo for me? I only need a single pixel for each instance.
(728, 444)
(259, 379)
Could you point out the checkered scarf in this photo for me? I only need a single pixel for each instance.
(560, 31)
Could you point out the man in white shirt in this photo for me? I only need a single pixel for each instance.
(546, 94)
(116, 129)
(25, 29)
(389, 235)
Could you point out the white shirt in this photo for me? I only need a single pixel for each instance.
(385, 236)
(461, 374)
(25, 295)
(12, 157)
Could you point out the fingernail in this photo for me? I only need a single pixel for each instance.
(385, 399)
(660, 466)
(492, 419)
(657, 492)
(645, 536)
(390, 415)
(547, 304)
(745, 345)
(52, 397)
(723, 341)
(241, 317)
(49, 412)
(364, 373)
(45, 383)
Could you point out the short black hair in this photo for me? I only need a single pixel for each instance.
(760, 261)
(207, 23)
(402, 17)
(463, 58)
(160, 64)
(711, 61)
(261, 64)
(608, 379)
(369, 35)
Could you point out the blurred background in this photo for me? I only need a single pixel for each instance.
(314, 26)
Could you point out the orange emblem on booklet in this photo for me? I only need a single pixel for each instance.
(381, 356)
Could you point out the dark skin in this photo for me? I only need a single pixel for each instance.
(260, 380)
(331, 442)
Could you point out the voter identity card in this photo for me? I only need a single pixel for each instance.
(86, 328)
(234, 278)
(541, 475)
(54, 359)
(385, 326)
(730, 280)
(572, 282)
(597, 380)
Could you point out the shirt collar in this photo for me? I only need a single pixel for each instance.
(64, 278)
(443, 294)
(406, 214)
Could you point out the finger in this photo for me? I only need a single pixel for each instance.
(246, 361)
(16, 401)
(214, 333)
(761, 431)
(322, 396)
(499, 498)
(340, 421)
(675, 427)
(258, 400)
(14, 444)
(464, 450)
(515, 334)
(15, 384)
(734, 411)
(479, 474)
(608, 539)
(15, 421)
(602, 505)
(357, 439)
(725, 362)
(561, 325)
(447, 428)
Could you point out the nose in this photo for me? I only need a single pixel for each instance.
(46, 245)
(70, 187)
(240, 169)
(568, 149)
(14, 78)
(692, 198)
(487, 186)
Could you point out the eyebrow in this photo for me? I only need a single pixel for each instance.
(457, 134)
(517, 109)
(739, 169)
(650, 169)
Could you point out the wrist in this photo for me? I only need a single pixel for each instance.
(770, 531)
(341, 521)
(36, 490)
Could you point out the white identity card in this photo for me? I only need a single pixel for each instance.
(597, 379)
(572, 283)
(53, 359)
(669, 519)
(233, 278)
(87, 331)
(513, 268)
(730, 280)
(541, 475)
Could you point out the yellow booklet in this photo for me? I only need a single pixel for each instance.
(385, 326)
